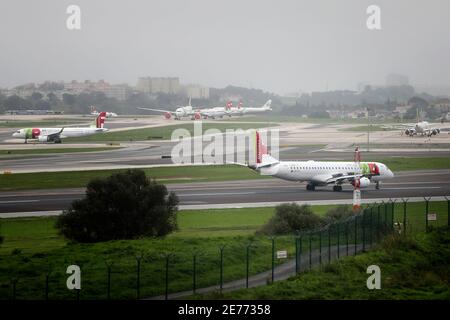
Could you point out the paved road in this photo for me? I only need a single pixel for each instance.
(245, 193)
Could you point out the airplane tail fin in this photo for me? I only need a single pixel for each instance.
(229, 105)
(267, 105)
(263, 158)
(239, 106)
(100, 120)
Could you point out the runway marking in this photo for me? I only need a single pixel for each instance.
(410, 188)
(215, 194)
(18, 201)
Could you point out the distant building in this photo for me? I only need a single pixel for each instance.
(396, 80)
(119, 92)
(169, 85)
(196, 91)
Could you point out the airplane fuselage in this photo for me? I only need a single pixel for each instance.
(321, 172)
(35, 133)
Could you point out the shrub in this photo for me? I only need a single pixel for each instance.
(338, 213)
(123, 206)
(291, 217)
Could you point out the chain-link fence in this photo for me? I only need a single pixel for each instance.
(243, 262)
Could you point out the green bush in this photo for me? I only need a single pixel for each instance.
(123, 206)
(290, 217)
(338, 213)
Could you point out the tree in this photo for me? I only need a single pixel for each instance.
(290, 217)
(123, 206)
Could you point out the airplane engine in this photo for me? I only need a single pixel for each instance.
(409, 132)
(167, 115)
(43, 139)
(435, 131)
(363, 182)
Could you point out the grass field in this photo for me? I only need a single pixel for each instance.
(72, 179)
(51, 150)
(162, 133)
(43, 123)
(32, 245)
(279, 118)
(364, 128)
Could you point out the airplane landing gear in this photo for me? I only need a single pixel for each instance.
(377, 186)
(310, 187)
(337, 188)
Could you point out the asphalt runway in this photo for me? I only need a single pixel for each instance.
(246, 193)
(157, 152)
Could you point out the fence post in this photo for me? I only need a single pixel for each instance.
(221, 267)
(427, 201)
(320, 247)
(310, 249)
(385, 216)
(300, 242)
(356, 234)
(329, 243)
(47, 278)
(363, 223)
(194, 272)
(166, 293)
(108, 288)
(404, 214)
(248, 264)
(378, 222)
(371, 226)
(297, 252)
(448, 211)
(393, 212)
(338, 236)
(138, 276)
(346, 234)
(13, 288)
(273, 257)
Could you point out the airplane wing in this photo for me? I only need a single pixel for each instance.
(55, 135)
(329, 179)
(157, 110)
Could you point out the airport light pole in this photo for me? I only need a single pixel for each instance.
(368, 130)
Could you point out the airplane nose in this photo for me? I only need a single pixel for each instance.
(391, 174)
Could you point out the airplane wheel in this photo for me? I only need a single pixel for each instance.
(377, 186)
(337, 188)
(310, 187)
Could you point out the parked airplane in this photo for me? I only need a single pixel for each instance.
(94, 112)
(216, 112)
(236, 111)
(420, 127)
(180, 112)
(56, 134)
(264, 108)
(320, 173)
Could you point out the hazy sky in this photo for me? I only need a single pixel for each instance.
(280, 46)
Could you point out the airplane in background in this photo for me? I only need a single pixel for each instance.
(236, 111)
(94, 112)
(56, 134)
(179, 113)
(266, 107)
(216, 112)
(422, 128)
(320, 173)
